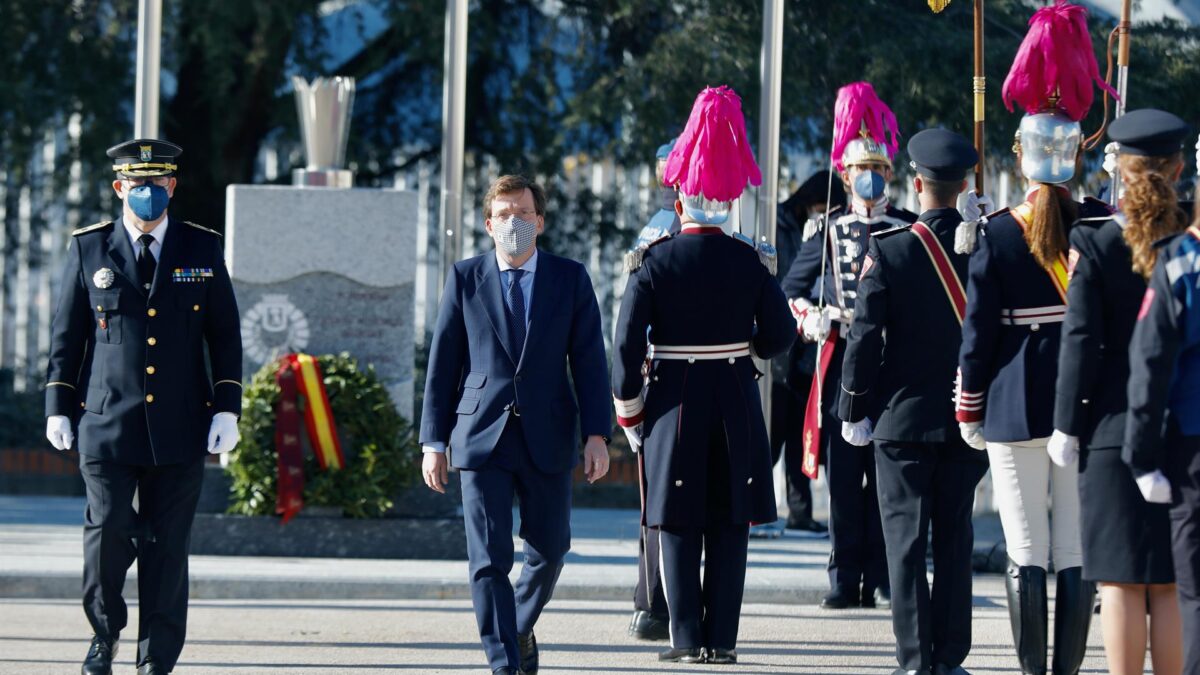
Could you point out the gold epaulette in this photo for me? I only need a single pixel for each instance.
(91, 228)
(201, 227)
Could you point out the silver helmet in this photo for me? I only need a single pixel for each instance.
(1048, 143)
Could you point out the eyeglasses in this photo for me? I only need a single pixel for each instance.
(524, 214)
(161, 181)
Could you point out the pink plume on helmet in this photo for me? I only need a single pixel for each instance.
(712, 157)
(1055, 60)
(858, 104)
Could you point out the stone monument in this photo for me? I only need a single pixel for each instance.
(322, 267)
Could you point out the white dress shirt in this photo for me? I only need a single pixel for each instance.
(159, 233)
(530, 268)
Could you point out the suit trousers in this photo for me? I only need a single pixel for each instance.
(504, 610)
(157, 537)
(923, 485)
(1038, 503)
(1183, 470)
(706, 613)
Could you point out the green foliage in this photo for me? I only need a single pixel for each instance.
(379, 444)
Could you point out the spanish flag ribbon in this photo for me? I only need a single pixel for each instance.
(1059, 275)
(299, 377)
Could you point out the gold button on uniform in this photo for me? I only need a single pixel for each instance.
(152, 312)
(195, 308)
(151, 342)
(99, 308)
(149, 370)
(149, 398)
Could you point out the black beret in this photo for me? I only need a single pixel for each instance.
(1156, 133)
(941, 154)
(142, 157)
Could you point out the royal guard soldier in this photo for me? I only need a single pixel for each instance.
(1162, 427)
(146, 370)
(865, 134)
(898, 392)
(1016, 302)
(708, 303)
(650, 615)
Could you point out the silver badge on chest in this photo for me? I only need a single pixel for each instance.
(103, 278)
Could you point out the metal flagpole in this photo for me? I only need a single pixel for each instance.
(768, 146)
(1123, 27)
(149, 48)
(454, 92)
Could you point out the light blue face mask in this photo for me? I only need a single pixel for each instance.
(869, 186)
(148, 201)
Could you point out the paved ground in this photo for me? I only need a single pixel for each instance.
(41, 557)
(269, 637)
(297, 615)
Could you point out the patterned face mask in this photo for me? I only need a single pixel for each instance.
(513, 235)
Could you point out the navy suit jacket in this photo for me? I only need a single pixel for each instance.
(474, 382)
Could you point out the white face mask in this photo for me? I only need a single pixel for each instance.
(513, 235)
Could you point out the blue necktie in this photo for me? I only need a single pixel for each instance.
(516, 312)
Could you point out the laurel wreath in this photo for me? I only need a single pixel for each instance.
(380, 446)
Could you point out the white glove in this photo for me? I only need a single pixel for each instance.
(815, 325)
(58, 432)
(1110, 158)
(223, 433)
(1063, 448)
(977, 206)
(634, 434)
(972, 434)
(1155, 488)
(857, 433)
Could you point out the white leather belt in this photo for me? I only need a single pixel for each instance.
(1033, 315)
(699, 352)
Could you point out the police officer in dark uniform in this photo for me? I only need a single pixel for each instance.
(912, 290)
(708, 303)
(1126, 541)
(824, 312)
(145, 303)
(1162, 427)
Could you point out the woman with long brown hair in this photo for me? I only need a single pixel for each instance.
(1016, 301)
(1126, 540)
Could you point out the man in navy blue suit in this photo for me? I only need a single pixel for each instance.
(499, 402)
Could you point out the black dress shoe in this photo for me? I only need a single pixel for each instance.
(649, 626)
(901, 671)
(841, 598)
(149, 668)
(807, 528)
(880, 598)
(508, 671)
(943, 669)
(722, 656)
(529, 653)
(99, 657)
(692, 655)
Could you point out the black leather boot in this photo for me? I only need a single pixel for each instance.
(1027, 610)
(1073, 602)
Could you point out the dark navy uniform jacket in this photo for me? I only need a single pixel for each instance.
(1164, 357)
(848, 244)
(1011, 334)
(905, 382)
(476, 382)
(700, 287)
(130, 366)
(1102, 306)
